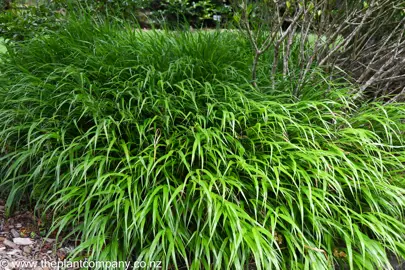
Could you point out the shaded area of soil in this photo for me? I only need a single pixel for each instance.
(24, 245)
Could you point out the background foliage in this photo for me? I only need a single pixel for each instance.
(30, 21)
(26, 19)
(152, 12)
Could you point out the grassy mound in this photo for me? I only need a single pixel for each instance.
(154, 146)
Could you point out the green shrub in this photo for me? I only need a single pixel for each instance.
(23, 23)
(152, 145)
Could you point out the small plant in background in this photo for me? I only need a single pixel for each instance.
(26, 22)
(197, 13)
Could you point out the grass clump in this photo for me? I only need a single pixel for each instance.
(154, 146)
(2, 45)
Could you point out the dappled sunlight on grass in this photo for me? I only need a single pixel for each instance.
(3, 48)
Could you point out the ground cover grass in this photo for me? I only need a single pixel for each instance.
(155, 146)
(3, 48)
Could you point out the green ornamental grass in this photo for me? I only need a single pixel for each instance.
(154, 146)
(3, 48)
